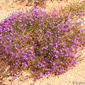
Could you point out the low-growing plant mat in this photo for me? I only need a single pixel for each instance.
(74, 75)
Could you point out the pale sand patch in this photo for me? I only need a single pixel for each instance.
(60, 4)
(69, 78)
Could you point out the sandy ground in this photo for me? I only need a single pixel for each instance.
(75, 76)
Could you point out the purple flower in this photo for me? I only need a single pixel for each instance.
(38, 40)
(13, 77)
(23, 30)
(56, 56)
(66, 54)
(39, 24)
(41, 74)
(45, 47)
(20, 20)
(41, 31)
(24, 64)
(25, 24)
(8, 28)
(41, 20)
(22, 49)
(45, 74)
(54, 63)
(12, 53)
(21, 25)
(79, 13)
(30, 51)
(49, 32)
(25, 57)
(0, 36)
(11, 71)
(16, 63)
(56, 66)
(56, 45)
(47, 69)
(56, 35)
(11, 34)
(32, 19)
(5, 56)
(16, 47)
(55, 27)
(16, 56)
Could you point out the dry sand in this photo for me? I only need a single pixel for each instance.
(75, 76)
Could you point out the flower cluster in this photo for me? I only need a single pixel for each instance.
(47, 44)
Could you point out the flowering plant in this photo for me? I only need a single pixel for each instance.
(44, 43)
